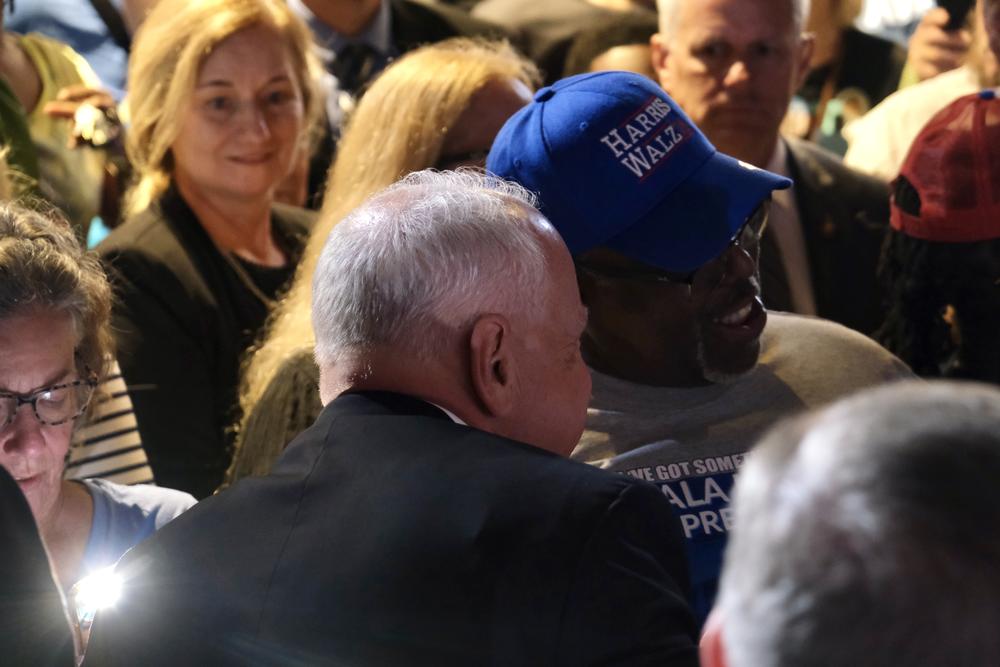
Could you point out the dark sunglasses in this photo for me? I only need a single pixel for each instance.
(747, 237)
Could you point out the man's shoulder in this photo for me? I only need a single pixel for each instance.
(816, 168)
(838, 202)
(416, 23)
(386, 416)
(797, 346)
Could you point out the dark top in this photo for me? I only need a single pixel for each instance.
(389, 535)
(844, 216)
(183, 318)
(34, 628)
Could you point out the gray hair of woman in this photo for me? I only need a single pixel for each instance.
(44, 268)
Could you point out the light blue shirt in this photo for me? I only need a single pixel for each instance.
(125, 516)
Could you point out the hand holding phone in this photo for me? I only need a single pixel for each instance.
(958, 12)
(934, 48)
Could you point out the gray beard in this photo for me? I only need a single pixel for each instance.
(716, 376)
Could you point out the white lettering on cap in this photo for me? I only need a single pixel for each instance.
(649, 140)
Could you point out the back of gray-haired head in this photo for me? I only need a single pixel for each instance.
(869, 535)
(425, 256)
(667, 10)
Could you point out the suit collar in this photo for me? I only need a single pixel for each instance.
(384, 402)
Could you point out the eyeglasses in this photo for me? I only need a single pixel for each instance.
(747, 237)
(52, 405)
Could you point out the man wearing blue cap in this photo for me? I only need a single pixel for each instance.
(664, 231)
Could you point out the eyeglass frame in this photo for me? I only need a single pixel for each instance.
(761, 213)
(32, 399)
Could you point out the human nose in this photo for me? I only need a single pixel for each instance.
(737, 73)
(23, 434)
(735, 263)
(253, 119)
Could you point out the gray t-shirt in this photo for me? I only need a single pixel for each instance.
(692, 441)
(125, 516)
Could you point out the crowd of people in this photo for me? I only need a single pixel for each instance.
(459, 332)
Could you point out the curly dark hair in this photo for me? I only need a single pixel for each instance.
(921, 279)
(44, 267)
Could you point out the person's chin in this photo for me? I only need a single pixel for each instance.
(728, 351)
(740, 136)
(730, 369)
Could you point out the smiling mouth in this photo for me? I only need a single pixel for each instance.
(741, 322)
(251, 159)
(737, 317)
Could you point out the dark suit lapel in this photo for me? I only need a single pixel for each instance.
(811, 184)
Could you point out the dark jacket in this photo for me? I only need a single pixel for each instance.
(417, 23)
(844, 215)
(389, 535)
(182, 320)
(34, 628)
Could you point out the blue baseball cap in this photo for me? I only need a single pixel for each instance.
(616, 163)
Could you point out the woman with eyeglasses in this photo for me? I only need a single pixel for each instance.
(55, 338)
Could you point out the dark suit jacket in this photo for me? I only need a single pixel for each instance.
(182, 321)
(389, 535)
(844, 216)
(415, 24)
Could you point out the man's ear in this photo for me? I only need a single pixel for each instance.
(492, 368)
(659, 52)
(803, 57)
(710, 648)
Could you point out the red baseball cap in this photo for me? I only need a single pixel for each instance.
(948, 189)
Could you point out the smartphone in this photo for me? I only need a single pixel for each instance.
(958, 12)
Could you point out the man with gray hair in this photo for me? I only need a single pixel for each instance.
(733, 66)
(868, 535)
(429, 516)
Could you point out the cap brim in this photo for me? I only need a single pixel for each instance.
(698, 220)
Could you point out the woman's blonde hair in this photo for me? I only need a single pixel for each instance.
(397, 128)
(170, 47)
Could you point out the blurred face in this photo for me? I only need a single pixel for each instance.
(37, 353)
(240, 131)
(468, 142)
(670, 332)
(554, 382)
(733, 66)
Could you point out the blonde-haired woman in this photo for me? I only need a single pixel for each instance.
(438, 106)
(222, 99)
